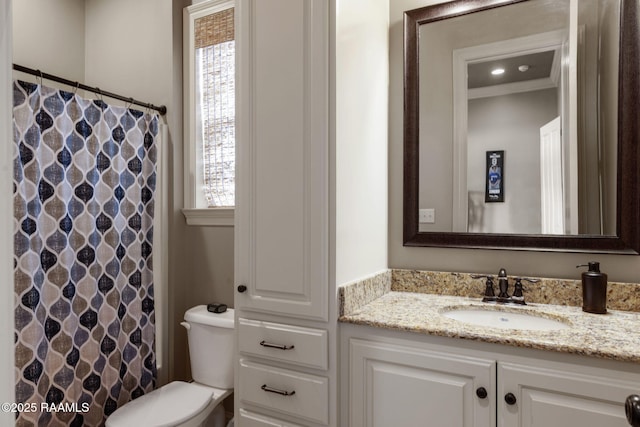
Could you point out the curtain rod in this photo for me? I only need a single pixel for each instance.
(161, 109)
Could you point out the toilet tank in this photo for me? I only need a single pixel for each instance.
(211, 346)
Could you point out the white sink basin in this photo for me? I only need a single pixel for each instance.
(495, 318)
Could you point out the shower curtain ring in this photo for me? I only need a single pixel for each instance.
(75, 92)
(128, 106)
(99, 92)
(41, 76)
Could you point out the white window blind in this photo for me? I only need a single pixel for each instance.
(215, 98)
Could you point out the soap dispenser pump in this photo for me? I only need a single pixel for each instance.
(594, 289)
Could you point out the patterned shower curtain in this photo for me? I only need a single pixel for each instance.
(84, 179)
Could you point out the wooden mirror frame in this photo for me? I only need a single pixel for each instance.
(627, 238)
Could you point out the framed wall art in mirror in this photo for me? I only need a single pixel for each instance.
(552, 82)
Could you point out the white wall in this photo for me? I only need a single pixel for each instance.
(550, 264)
(7, 378)
(361, 138)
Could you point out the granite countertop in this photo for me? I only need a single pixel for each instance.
(615, 335)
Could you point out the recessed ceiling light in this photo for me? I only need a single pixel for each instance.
(497, 71)
(523, 68)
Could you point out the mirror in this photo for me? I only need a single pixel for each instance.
(541, 155)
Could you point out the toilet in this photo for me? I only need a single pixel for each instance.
(198, 403)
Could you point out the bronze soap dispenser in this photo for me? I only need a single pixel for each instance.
(594, 289)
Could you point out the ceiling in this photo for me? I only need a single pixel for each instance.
(479, 73)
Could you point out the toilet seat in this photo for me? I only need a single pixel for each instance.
(168, 406)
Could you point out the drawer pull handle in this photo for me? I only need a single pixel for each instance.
(276, 391)
(278, 346)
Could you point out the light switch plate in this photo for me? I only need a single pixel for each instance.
(427, 216)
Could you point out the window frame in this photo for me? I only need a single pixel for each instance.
(223, 216)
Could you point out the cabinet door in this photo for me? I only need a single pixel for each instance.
(282, 157)
(393, 385)
(555, 398)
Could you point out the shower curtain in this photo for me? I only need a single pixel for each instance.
(84, 180)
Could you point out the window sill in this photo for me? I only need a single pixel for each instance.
(212, 217)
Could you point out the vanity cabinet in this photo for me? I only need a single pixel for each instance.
(558, 398)
(400, 385)
(436, 382)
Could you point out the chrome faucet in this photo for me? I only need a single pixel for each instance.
(503, 289)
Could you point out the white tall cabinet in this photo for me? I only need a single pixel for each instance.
(282, 157)
(311, 195)
(282, 272)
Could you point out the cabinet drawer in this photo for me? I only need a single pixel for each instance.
(287, 343)
(266, 386)
(251, 419)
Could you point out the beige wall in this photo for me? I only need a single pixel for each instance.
(135, 48)
(49, 36)
(622, 268)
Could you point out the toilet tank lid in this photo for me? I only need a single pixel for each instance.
(199, 314)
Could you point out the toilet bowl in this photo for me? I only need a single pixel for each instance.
(195, 404)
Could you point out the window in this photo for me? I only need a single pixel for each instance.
(215, 104)
(209, 113)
